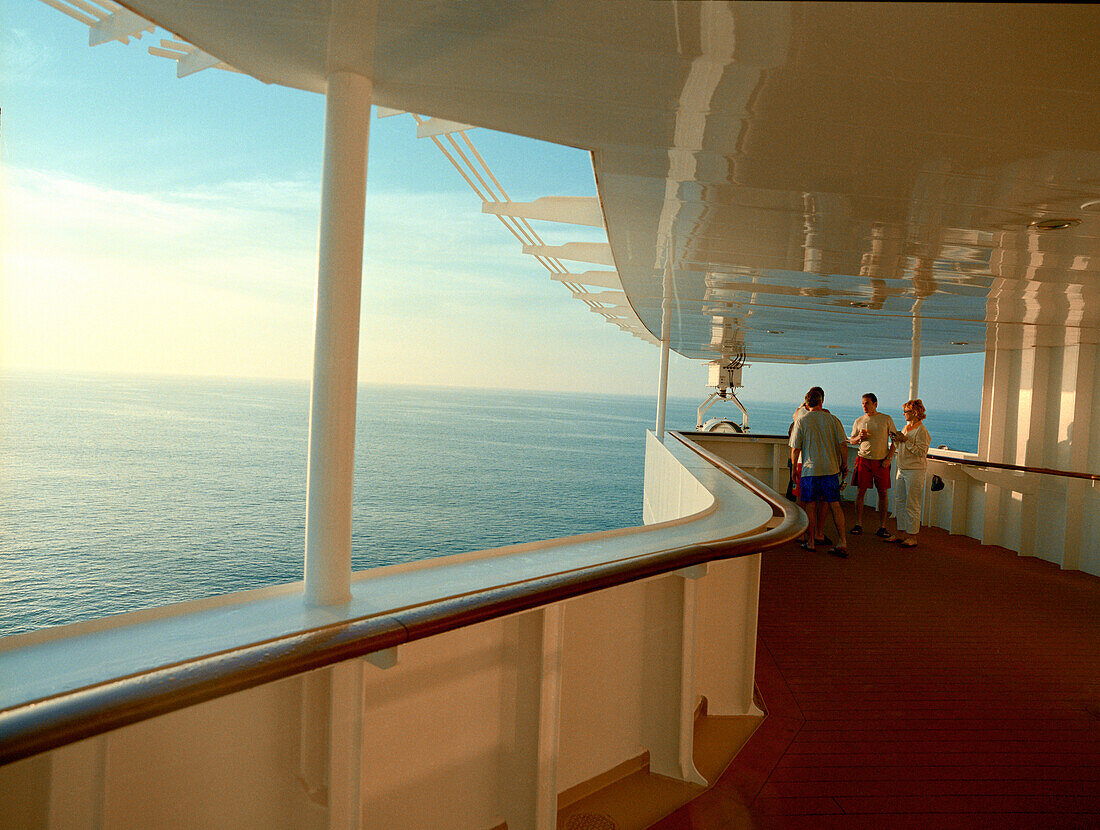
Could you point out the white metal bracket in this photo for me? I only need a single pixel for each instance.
(598, 279)
(120, 25)
(439, 126)
(571, 210)
(384, 659)
(598, 253)
(189, 59)
(694, 571)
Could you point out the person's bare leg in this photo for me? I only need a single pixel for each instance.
(860, 493)
(883, 507)
(838, 517)
(822, 516)
(822, 519)
(811, 513)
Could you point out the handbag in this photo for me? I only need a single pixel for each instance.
(937, 484)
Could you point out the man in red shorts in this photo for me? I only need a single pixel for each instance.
(871, 432)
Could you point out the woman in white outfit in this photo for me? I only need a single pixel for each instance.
(911, 445)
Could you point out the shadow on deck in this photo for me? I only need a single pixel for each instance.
(950, 685)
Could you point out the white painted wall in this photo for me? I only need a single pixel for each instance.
(1041, 390)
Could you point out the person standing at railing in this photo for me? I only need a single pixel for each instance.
(912, 445)
(818, 440)
(803, 408)
(871, 433)
(793, 485)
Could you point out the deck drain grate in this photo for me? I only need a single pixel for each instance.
(590, 821)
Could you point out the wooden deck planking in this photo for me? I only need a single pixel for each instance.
(950, 685)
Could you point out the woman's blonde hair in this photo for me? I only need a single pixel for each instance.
(916, 406)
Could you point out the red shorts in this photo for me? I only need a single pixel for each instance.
(870, 472)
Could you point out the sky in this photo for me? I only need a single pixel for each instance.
(164, 226)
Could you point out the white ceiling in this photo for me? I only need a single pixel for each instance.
(814, 174)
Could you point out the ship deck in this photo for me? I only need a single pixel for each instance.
(950, 685)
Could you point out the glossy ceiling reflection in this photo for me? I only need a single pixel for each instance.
(801, 179)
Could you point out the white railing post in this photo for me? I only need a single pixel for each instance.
(336, 341)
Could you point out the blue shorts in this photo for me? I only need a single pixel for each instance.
(820, 488)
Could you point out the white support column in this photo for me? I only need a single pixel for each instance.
(662, 388)
(999, 432)
(1041, 391)
(315, 705)
(336, 341)
(780, 474)
(662, 382)
(668, 702)
(1078, 437)
(345, 746)
(532, 723)
(914, 365)
(690, 578)
(78, 784)
(329, 755)
(725, 663)
(1032, 446)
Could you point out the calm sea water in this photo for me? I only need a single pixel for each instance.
(123, 493)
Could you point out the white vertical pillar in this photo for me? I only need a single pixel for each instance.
(531, 717)
(345, 746)
(662, 388)
(78, 784)
(666, 326)
(336, 341)
(914, 365)
(667, 693)
(315, 707)
(725, 663)
(689, 579)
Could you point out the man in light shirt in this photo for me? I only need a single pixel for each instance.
(817, 439)
(871, 433)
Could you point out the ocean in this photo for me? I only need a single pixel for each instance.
(124, 493)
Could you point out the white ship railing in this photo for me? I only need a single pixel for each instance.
(1035, 511)
(65, 691)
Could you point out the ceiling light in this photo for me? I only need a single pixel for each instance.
(774, 331)
(841, 354)
(1054, 224)
(960, 342)
(1091, 207)
(860, 305)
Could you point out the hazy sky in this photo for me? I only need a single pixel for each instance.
(165, 226)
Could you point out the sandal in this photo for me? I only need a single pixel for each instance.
(856, 530)
(841, 552)
(883, 532)
(806, 546)
(908, 543)
(824, 540)
(891, 540)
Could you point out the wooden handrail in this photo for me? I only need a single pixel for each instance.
(48, 723)
(970, 462)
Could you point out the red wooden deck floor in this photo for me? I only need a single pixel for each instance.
(951, 685)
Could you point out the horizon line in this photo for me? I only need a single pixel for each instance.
(7, 371)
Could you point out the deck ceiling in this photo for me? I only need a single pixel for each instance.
(813, 174)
